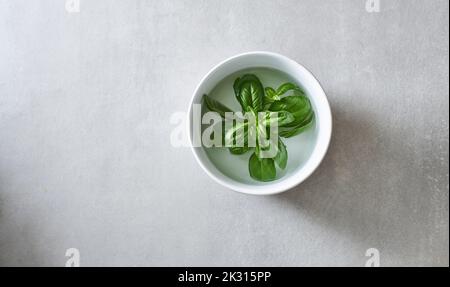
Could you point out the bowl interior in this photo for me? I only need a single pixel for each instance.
(305, 151)
(235, 167)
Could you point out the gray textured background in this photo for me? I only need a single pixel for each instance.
(85, 159)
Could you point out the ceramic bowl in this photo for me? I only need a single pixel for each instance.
(319, 136)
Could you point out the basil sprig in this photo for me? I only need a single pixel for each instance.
(294, 114)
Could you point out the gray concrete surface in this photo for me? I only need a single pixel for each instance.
(85, 158)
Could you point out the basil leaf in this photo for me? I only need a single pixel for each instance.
(305, 124)
(238, 140)
(298, 106)
(271, 95)
(216, 106)
(249, 92)
(284, 88)
(282, 118)
(236, 88)
(237, 135)
(238, 150)
(261, 169)
(282, 156)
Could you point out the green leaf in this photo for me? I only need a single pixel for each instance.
(240, 142)
(282, 118)
(236, 88)
(271, 93)
(270, 97)
(237, 135)
(261, 169)
(298, 106)
(284, 88)
(249, 92)
(238, 150)
(216, 106)
(282, 156)
(293, 131)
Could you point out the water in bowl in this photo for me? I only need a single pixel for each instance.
(299, 147)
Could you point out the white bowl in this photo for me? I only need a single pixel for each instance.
(323, 121)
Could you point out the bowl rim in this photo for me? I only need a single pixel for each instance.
(299, 176)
